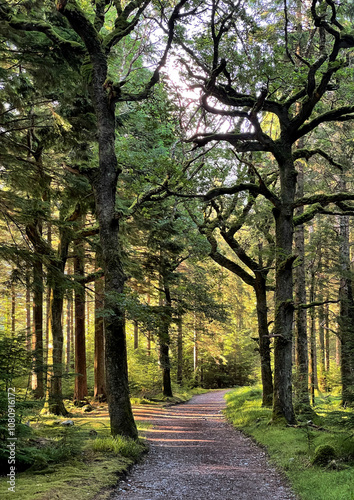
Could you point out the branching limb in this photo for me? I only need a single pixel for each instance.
(125, 97)
(323, 199)
(315, 304)
(309, 153)
(341, 114)
(23, 24)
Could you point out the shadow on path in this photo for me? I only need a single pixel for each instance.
(196, 455)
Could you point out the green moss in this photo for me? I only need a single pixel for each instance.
(324, 454)
(67, 464)
(77, 479)
(294, 449)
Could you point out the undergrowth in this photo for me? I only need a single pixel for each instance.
(294, 449)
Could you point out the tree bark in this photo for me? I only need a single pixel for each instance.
(80, 391)
(164, 335)
(180, 351)
(68, 332)
(105, 184)
(322, 357)
(313, 352)
(264, 340)
(28, 311)
(327, 349)
(136, 334)
(99, 363)
(13, 309)
(55, 402)
(301, 351)
(284, 306)
(346, 317)
(37, 338)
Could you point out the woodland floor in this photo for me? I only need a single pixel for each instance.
(196, 455)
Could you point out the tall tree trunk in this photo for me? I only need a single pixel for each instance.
(54, 397)
(80, 391)
(327, 349)
(284, 306)
(13, 308)
(195, 348)
(180, 351)
(105, 185)
(301, 354)
(56, 403)
(148, 347)
(37, 342)
(322, 354)
(346, 317)
(313, 351)
(338, 351)
(99, 363)
(264, 340)
(68, 332)
(48, 292)
(136, 334)
(164, 336)
(28, 311)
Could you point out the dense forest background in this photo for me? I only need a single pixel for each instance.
(176, 202)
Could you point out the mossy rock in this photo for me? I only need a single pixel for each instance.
(324, 454)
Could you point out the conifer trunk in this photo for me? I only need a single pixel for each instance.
(99, 363)
(28, 311)
(180, 351)
(37, 342)
(301, 354)
(55, 402)
(80, 391)
(136, 334)
(164, 336)
(346, 318)
(68, 332)
(313, 353)
(13, 308)
(264, 341)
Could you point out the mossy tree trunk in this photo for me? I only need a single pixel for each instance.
(284, 306)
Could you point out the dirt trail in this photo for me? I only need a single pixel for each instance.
(196, 455)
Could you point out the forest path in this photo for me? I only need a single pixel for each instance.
(196, 455)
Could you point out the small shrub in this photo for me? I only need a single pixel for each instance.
(324, 454)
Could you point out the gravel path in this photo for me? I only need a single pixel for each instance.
(196, 455)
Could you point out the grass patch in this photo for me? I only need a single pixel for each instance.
(119, 446)
(80, 461)
(294, 449)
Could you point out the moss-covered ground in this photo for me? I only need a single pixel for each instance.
(293, 449)
(81, 461)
